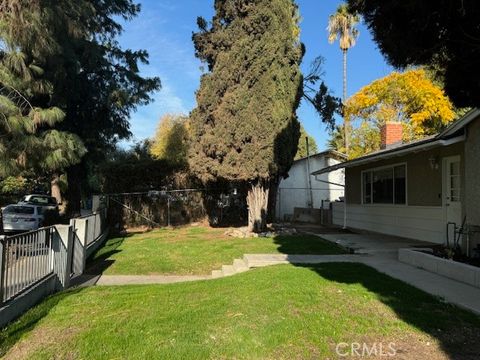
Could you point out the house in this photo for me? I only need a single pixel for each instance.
(416, 190)
(301, 191)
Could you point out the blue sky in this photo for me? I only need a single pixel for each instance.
(164, 28)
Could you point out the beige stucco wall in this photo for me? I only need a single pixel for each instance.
(424, 184)
(472, 173)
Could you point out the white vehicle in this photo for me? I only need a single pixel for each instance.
(40, 200)
(20, 218)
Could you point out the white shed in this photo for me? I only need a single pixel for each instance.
(301, 190)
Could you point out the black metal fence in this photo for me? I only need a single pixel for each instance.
(24, 260)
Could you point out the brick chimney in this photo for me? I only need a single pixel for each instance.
(391, 134)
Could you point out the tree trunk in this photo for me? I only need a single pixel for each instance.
(74, 192)
(272, 200)
(257, 201)
(1, 223)
(346, 121)
(55, 188)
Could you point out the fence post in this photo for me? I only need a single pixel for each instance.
(168, 210)
(2, 267)
(80, 233)
(63, 247)
(98, 224)
(94, 232)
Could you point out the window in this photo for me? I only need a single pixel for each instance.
(41, 200)
(400, 183)
(14, 209)
(367, 187)
(455, 181)
(386, 185)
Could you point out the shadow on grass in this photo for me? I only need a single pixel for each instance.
(457, 330)
(10, 335)
(100, 260)
(305, 244)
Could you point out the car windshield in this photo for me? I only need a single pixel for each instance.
(41, 200)
(19, 210)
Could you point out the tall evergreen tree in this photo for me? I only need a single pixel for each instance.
(28, 140)
(94, 81)
(244, 127)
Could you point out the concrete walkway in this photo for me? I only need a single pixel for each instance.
(114, 280)
(110, 280)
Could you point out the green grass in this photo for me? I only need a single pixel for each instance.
(281, 312)
(194, 250)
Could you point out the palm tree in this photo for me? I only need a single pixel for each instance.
(341, 26)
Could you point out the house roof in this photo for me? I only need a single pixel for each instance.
(327, 153)
(450, 135)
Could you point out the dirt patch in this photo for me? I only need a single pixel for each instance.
(409, 346)
(40, 338)
(456, 343)
(461, 342)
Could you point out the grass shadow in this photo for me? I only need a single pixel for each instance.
(457, 330)
(13, 332)
(100, 260)
(305, 244)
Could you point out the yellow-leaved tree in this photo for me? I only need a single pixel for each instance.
(409, 97)
(172, 139)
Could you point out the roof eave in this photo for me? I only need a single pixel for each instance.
(422, 146)
(461, 123)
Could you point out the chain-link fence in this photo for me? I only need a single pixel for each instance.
(174, 208)
(179, 207)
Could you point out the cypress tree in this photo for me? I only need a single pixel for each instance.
(244, 127)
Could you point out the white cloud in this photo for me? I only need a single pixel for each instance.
(144, 122)
(160, 31)
(167, 101)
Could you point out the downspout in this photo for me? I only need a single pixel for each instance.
(309, 174)
(345, 200)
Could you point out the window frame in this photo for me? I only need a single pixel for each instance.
(372, 170)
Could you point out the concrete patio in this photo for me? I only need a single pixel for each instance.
(370, 243)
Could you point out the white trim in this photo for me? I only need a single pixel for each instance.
(393, 166)
(445, 179)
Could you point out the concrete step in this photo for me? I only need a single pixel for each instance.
(228, 270)
(240, 265)
(217, 274)
(260, 260)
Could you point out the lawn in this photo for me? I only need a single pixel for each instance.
(280, 312)
(194, 250)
